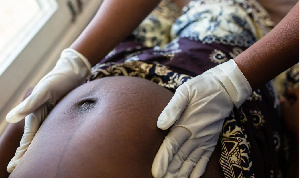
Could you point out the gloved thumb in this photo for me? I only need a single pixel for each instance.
(29, 105)
(174, 109)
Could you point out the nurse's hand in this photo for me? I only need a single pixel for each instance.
(71, 70)
(196, 112)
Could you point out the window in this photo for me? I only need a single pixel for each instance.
(31, 47)
(19, 23)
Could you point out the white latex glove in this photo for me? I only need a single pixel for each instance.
(70, 71)
(197, 112)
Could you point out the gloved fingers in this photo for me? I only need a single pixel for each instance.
(18, 155)
(190, 162)
(33, 121)
(167, 150)
(172, 169)
(29, 105)
(48, 90)
(181, 157)
(174, 109)
(199, 169)
(32, 124)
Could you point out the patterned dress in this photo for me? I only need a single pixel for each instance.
(171, 47)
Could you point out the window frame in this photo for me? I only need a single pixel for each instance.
(21, 40)
(41, 53)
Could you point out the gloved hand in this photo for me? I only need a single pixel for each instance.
(70, 71)
(197, 112)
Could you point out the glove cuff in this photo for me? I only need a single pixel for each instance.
(80, 60)
(234, 81)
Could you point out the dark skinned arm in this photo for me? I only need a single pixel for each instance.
(114, 21)
(272, 54)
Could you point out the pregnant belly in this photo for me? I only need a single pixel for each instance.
(104, 128)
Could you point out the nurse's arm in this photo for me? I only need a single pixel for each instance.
(272, 54)
(114, 21)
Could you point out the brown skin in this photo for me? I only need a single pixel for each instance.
(114, 21)
(102, 35)
(113, 136)
(277, 9)
(272, 54)
(107, 29)
(260, 63)
(107, 138)
(10, 141)
(181, 3)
